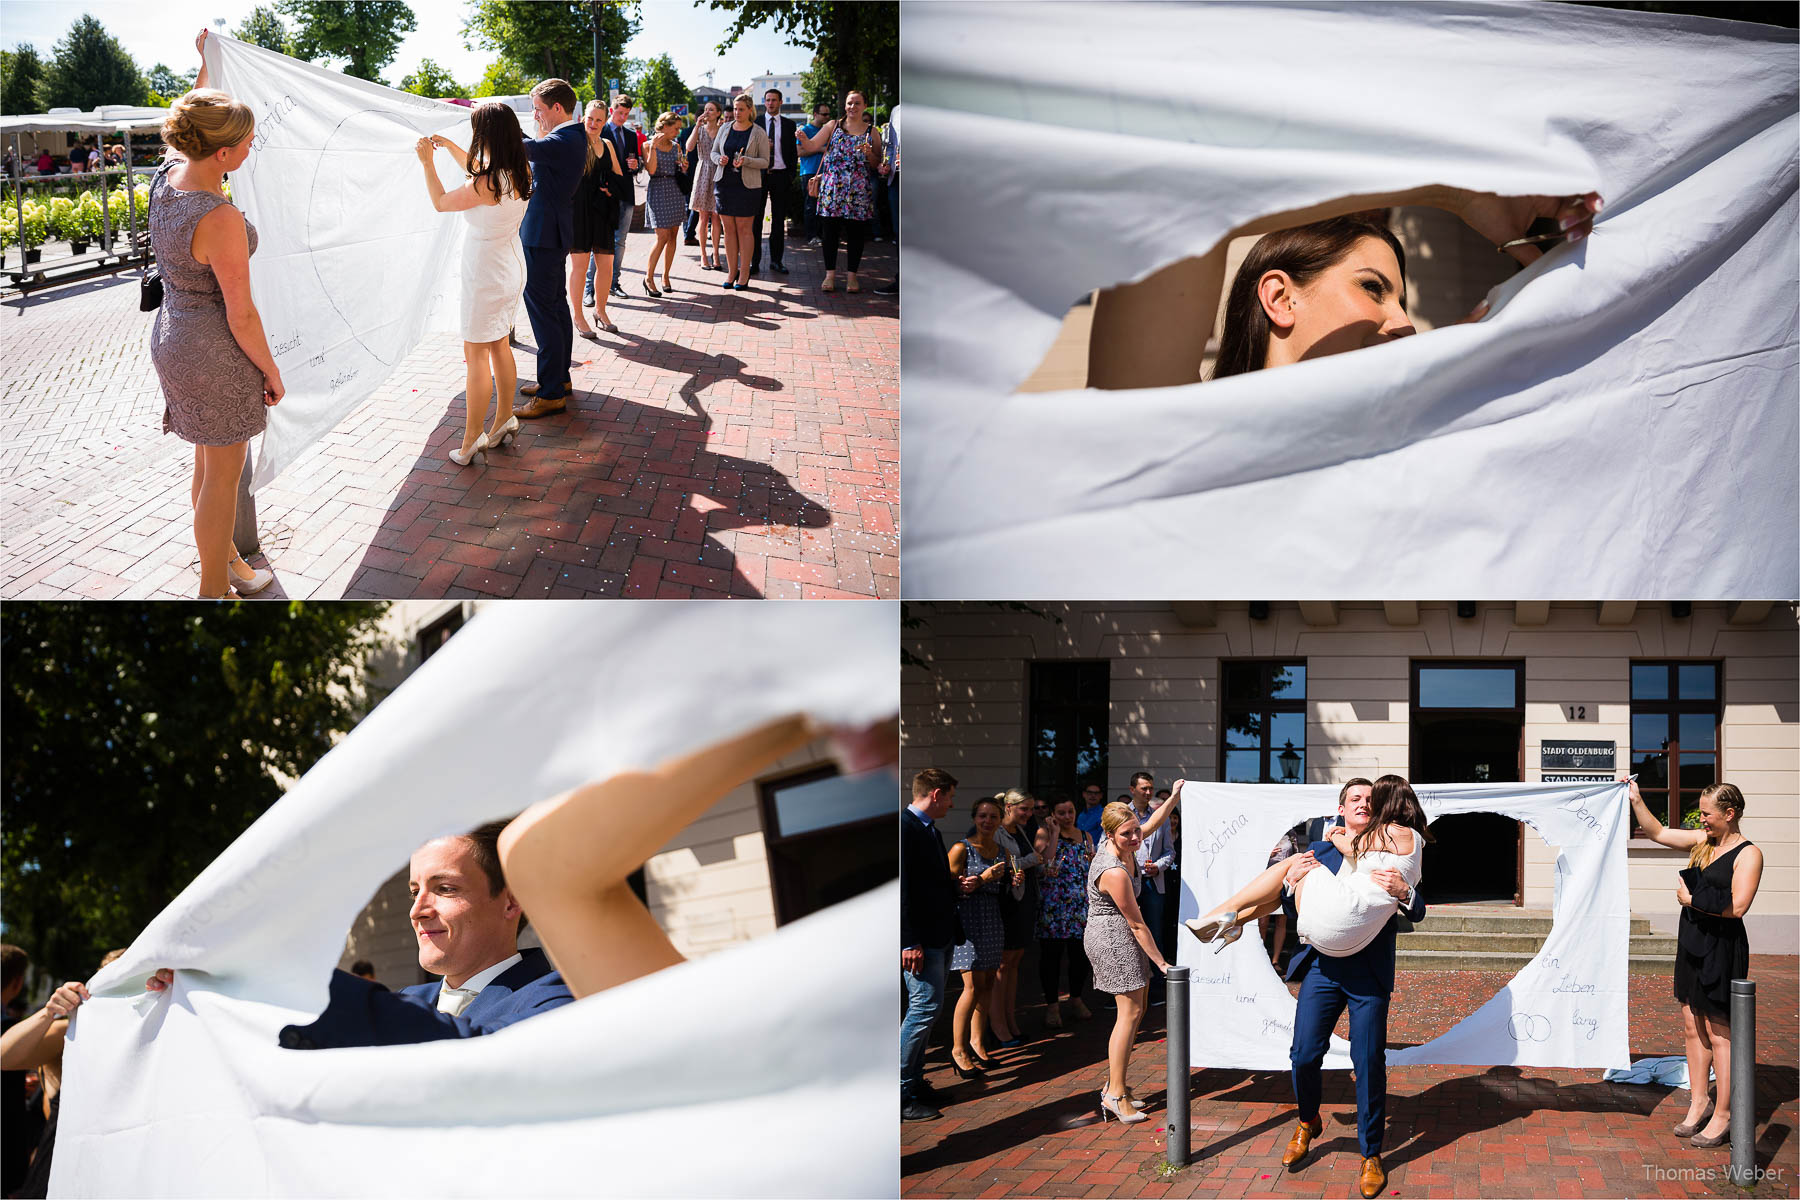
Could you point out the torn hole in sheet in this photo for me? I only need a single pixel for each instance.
(1139, 334)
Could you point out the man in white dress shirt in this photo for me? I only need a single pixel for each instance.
(778, 183)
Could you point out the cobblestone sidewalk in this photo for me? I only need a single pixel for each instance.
(1030, 1126)
(721, 444)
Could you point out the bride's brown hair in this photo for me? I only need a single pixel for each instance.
(1392, 802)
(497, 150)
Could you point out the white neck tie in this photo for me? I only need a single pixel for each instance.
(452, 1001)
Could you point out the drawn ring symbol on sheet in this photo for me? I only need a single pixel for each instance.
(345, 267)
(1529, 1027)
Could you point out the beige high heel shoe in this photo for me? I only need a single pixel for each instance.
(1121, 1108)
(250, 584)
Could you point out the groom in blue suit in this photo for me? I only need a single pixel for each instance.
(1363, 981)
(466, 922)
(557, 157)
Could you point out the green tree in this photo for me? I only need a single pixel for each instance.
(659, 88)
(166, 83)
(21, 73)
(263, 27)
(547, 40)
(431, 80)
(366, 33)
(89, 68)
(502, 78)
(142, 739)
(855, 45)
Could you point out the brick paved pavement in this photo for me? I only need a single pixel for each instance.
(741, 444)
(1030, 1127)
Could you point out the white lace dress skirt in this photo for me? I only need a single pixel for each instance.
(1341, 914)
(493, 269)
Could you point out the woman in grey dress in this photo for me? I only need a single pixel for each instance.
(980, 866)
(211, 356)
(665, 208)
(1118, 943)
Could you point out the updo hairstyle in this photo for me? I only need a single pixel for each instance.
(206, 121)
(1115, 815)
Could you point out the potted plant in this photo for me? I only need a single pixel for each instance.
(9, 231)
(36, 230)
(92, 220)
(65, 223)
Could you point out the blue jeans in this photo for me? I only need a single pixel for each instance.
(619, 236)
(1153, 904)
(924, 1000)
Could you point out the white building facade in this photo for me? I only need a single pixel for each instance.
(1051, 696)
(793, 99)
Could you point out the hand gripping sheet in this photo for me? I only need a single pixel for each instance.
(765, 1070)
(1625, 415)
(1566, 1008)
(354, 265)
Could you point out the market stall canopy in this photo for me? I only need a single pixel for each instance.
(107, 118)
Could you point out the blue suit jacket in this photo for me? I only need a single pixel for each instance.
(1377, 958)
(557, 160)
(361, 1013)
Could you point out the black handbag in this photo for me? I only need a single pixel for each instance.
(150, 284)
(150, 290)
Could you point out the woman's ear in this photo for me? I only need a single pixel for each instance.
(1275, 292)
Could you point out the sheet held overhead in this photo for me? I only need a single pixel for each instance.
(1626, 409)
(680, 1083)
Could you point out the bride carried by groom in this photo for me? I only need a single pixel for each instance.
(1346, 916)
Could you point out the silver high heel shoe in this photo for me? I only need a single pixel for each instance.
(1119, 1107)
(504, 434)
(1214, 927)
(254, 583)
(480, 447)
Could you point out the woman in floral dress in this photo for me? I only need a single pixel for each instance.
(1062, 911)
(846, 185)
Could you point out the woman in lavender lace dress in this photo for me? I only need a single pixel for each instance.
(211, 355)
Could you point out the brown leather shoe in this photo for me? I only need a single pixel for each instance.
(1374, 1177)
(540, 407)
(1300, 1143)
(528, 389)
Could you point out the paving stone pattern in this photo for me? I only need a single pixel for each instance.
(1030, 1127)
(721, 444)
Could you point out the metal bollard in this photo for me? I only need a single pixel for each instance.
(243, 533)
(1743, 1081)
(1175, 1006)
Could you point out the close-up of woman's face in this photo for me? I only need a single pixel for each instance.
(1065, 814)
(987, 817)
(710, 113)
(595, 120)
(1715, 818)
(853, 105)
(1017, 811)
(1128, 836)
(742, 109)
(1358, 301)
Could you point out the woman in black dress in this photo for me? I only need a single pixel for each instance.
(596, 216)
(1715, 892)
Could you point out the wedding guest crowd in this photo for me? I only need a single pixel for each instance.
(1027, 875)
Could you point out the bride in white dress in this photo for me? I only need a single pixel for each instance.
(1340, 912)
(493, 201)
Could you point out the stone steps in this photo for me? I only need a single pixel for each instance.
(1496, 937)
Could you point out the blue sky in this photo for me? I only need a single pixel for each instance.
(164, 32)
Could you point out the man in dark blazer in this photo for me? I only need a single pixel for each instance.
(557, 157)
(466, 922)
(1364, 981)
(778, 183)
(928, 928)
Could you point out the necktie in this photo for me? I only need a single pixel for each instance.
(452, 1001)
